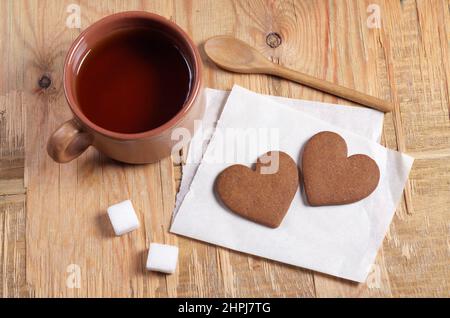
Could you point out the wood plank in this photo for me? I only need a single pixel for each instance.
(417, 246)
(12, 247)
(12, 199)
(418, 74)
(418, 65)
(414, 68)
(12, 127)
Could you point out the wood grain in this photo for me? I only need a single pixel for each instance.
(12, 196)
(12, 249)
(12, 151)
(63, 220)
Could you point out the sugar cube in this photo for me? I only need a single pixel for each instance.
(162, 258)
(123, 217)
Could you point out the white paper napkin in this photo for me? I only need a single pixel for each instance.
(364, 121)
(338, 240)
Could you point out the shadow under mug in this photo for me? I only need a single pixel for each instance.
(73, 137)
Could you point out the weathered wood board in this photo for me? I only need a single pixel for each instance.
(52, 217)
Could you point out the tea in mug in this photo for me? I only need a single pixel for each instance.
(132, 81)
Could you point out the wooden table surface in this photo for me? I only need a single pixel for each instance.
(55, 238)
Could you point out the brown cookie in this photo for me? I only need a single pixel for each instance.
(256, 195)
(330, 177)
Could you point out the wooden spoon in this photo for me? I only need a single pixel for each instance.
(237, 56)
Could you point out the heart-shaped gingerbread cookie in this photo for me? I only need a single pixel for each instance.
(330, 177)
(262, 195)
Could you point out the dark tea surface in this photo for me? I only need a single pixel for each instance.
(133, 81)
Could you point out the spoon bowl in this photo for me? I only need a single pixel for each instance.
(235, 55)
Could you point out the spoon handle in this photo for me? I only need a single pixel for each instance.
(331, 88)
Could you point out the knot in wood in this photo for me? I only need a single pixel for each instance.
(273, 39)
(45, 82)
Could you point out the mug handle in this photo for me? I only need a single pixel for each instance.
(68, 142)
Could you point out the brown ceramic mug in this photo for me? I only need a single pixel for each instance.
(73, 137)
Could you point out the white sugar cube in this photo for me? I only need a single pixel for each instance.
(123, 217)
(162, 258)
